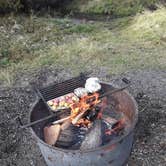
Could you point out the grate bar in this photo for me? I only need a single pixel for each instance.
(60, 89)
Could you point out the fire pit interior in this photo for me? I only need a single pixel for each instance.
(110, 121)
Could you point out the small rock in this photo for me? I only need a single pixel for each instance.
(152, 125)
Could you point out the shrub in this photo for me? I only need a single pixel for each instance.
(115, 8)
(10, 5)
(81, 28)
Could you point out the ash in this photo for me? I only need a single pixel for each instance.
(18, 148)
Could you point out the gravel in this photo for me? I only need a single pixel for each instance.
(18, 148)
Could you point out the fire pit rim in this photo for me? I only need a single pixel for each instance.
(119, 139)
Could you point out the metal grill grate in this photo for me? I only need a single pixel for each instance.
(60, 89)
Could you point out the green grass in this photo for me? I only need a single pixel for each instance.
(114, 8)
(120, 45)
(81, 28)
(109, 7)
(149, 26)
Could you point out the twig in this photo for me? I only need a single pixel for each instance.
(144, 108)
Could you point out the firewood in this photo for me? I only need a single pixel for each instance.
(78, 117)
(51, 134)
(66, 124)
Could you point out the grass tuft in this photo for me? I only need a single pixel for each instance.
(149, 26)
(81, 28)
(119, 45)
(114, 8)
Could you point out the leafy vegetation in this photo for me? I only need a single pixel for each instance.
(13, 5)
(114, 8)
(82, 28)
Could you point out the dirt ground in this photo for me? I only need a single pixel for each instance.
(17, 148)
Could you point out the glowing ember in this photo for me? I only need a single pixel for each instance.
(103, 105)
(117, 127)
(78, 109)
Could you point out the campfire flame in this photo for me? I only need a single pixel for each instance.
(119, 126)
(85, 103)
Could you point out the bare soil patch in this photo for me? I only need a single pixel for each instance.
(18, 148)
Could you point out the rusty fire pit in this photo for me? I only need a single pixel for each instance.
(113, 151)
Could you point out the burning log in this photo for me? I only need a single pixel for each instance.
(78, 110)
(108, 153)
(54, 115)
(83, 113)
(77, 118)
(66, 123)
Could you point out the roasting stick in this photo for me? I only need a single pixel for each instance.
(113, 91)
(62, 120)
(52, 132)
(45, 118)
(67, 121)
(79, 116)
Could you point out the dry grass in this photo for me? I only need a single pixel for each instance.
(120, 45)
(148, 26)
